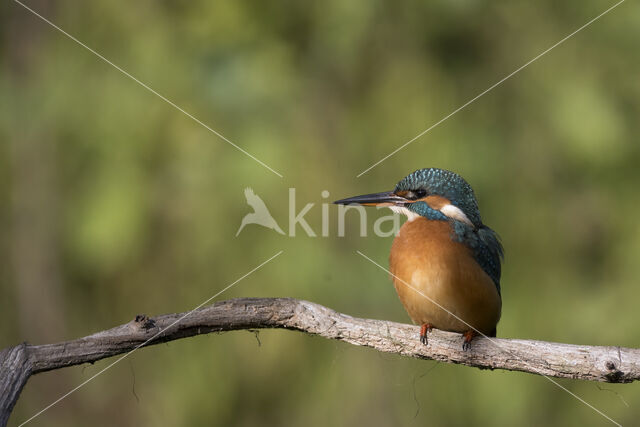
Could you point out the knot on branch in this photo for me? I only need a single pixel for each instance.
(614, 375)
(144, 322)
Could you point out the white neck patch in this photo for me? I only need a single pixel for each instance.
(449, 210)
(455, 212)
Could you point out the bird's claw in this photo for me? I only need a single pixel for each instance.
(466, 343)
(424, 331)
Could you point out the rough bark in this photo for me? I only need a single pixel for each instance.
(593, 363)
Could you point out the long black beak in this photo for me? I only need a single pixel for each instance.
(388, 198)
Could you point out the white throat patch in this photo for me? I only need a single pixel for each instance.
(402, 210)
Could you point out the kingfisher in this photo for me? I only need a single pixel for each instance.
(445, 262)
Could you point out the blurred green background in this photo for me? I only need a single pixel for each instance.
(113, 203)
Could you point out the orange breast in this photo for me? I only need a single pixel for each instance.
(430, 268)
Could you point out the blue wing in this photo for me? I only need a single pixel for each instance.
(486, 246)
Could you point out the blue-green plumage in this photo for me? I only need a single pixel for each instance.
(423, 209)
(487, 250)
(484, 242)
(445, 262)
(446, 184)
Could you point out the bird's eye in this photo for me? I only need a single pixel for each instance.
(416, 194)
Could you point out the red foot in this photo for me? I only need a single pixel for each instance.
(424, 330)
(468, 336)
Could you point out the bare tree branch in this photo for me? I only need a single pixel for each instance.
(593, 363)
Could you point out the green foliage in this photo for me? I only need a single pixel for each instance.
(141, 204)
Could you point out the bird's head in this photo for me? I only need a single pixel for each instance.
(424, 191)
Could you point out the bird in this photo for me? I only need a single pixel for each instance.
(445, 263)
(260, 214)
